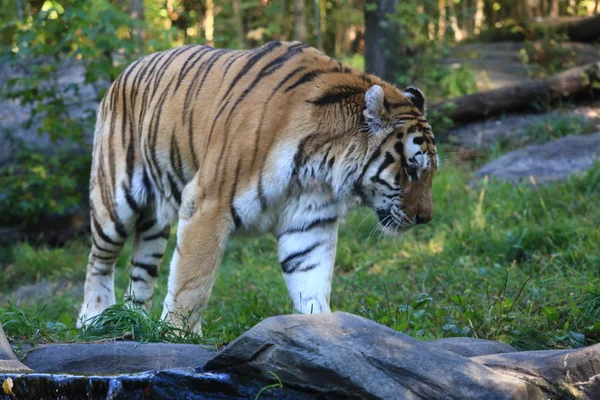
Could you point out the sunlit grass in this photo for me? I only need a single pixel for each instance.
(499, 261)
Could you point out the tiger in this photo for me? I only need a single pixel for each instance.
(279, 139)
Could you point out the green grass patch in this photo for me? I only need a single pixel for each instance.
(499, 261)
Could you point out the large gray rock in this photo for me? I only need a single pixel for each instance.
(8, 360)
(346, 356)
(471, 347)
(556, 160)
(115, 357)
(575, 372)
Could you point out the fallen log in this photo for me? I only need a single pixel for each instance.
(576, 28)
(572, 82)
(583, 30)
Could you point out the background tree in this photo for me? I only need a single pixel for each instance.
(382, 50)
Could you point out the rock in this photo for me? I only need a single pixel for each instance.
(567, 373)
(169, 384)
(341, 355)
(471, 347)
(553, 161)
(8, 360)
(115, 357)
(45, 289)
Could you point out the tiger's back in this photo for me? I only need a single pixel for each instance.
(197, 107)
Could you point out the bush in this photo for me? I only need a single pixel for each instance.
(95, 35)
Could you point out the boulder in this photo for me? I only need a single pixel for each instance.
(553, 161)
(8, 360)
(341, 355)
(115, 357)
(471, 347)
(575, 373)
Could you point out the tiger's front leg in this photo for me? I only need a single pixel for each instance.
(204, 227)
(307, 241)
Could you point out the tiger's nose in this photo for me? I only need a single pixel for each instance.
(423, 218)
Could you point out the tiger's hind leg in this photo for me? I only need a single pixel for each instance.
(111, 225)
(151, 236)
(307, 241)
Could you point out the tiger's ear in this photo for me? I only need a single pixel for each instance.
(416, 97)
(375, 113)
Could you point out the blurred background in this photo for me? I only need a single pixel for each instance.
(513, 252)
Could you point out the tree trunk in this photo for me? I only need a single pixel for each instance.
(442, 20)
(458, 35)
(554, 9)
(137, 13)
(239, 22)
(318, 25)
(382, 50)
(567, 84)
(583, 30)
(300, 32)
(209, 23)
(478, 18)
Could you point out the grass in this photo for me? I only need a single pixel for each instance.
(502, 262)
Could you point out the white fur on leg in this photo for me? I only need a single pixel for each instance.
(307, 244)
(99, 293)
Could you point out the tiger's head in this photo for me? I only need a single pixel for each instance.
(396, 181)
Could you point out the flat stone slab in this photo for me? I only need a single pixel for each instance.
(346, 356)
(471, 347)
(549, 162)
(115, 357)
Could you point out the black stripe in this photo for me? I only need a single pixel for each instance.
(103, 235)
(175, 192)
(146, 225)
(389, 159)
(109, 258)
(292, 258)
(320, 222)
(101, 273)
(193, 59)
(137, 279)
(308, 77)
(234, 214)
(307, 268)
(285, 79)
(151, 269)
(95, 244)
(164, 234)
(337, 95)
(157, 255)
(257, 55)
(130, 200)
(267, 70)
(147, 184)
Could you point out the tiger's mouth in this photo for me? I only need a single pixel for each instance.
(390, 225)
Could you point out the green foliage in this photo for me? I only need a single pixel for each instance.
(547, 56)
(35, 184)
(134, 323)
(423, 58)
(46, 46)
